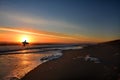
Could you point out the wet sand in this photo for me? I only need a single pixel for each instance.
(72, 66)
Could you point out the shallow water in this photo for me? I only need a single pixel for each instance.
(19, 62)
(17, 65)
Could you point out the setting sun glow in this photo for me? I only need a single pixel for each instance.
(25, 37)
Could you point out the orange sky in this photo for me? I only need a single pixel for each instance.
(18, 35)
(35, 36)
(59, 21)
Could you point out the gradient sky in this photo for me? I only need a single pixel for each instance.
(87, 20)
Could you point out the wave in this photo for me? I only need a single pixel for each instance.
(34, 49)
(30, 56)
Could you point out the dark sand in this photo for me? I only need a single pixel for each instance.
(72, 65)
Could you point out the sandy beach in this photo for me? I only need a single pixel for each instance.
(73, 66)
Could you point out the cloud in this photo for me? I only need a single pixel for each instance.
(39, 34)
(73, 32)
(18, 19)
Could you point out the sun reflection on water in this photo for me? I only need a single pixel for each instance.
(23, 51)
(25, 62)
(17, 65)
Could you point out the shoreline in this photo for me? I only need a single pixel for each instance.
(72, 66)
(38, 49)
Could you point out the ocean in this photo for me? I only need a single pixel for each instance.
(16, 61)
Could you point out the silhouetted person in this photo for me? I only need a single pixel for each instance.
(24, 43)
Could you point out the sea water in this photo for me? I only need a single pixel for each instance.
(16, 61)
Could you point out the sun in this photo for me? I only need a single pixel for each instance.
(25, 37)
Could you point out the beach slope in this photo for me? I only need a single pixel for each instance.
(74, 66)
